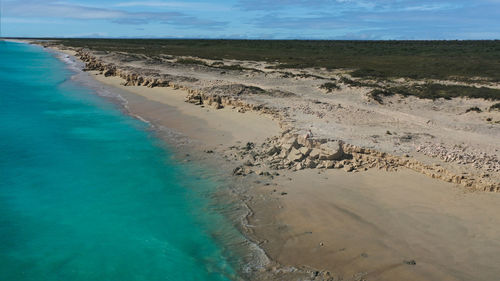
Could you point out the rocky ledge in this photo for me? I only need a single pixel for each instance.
(294, 149)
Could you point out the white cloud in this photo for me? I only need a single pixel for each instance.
(64, 10)
(176, 5)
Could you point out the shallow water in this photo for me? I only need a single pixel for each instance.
(88, 193)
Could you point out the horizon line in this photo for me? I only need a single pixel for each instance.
(236, 39)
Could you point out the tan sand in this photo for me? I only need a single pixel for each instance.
(167, 107)
(364, 226)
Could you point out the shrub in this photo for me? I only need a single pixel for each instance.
(367, 72)
(377, 95)
(191, 61)
(329, 87)
(475, 109)
(496, 106)
(353, 83)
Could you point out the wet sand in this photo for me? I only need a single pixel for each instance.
(372, 225)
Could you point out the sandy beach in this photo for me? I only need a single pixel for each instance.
(378, 225)
(389, 211)
(167, 107)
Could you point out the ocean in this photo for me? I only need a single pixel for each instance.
(89, 193)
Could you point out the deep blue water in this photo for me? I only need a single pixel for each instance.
(88, 193)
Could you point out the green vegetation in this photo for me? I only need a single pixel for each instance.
(462, 60)
(191, 61)
(496, 106)
(372, 73)
(474, 109)
(373, 60)
(217, 64)
(436, 91)
(330, 87)
(353, 83)
(236, 67)
(377, 95)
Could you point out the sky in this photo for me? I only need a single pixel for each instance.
(254, 19)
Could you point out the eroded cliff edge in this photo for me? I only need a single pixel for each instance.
(323, 129)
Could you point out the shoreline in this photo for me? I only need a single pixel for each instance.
(191, 147)
(277, 191)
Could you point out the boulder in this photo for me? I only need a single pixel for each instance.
(348, 168)
(332, 151)
(299, 166)
(305, 151)
(315, 153)
(273, 150)
(238, 171)
(295, 155)
(308, 163)
(286, 147)
(290, 143)
(329, 164)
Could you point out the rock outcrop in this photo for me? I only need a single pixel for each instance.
(292, 150)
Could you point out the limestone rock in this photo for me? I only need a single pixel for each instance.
(329, 164)
(332, 151)
(273, 150)
(305, 151)
(348, 168)
(308, 163)
(315, 153)
(295, 155)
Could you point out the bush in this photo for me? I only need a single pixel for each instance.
(353, 83)
(329, 87)
(475, 109)
(377, 95)
(414, 59)
(366, 72)
(496, 106)
(191, 61)
(436, 91)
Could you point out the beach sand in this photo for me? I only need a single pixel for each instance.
(211, 127)
(372, 225)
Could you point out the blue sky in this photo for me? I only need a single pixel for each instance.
(267, 19)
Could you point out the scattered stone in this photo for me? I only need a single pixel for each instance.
(250, 146)
(410, 262)
(311, 164)
(238, 171)
(273, 150)
(329, 164)
(348, 168)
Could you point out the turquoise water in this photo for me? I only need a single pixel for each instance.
(87, 193)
